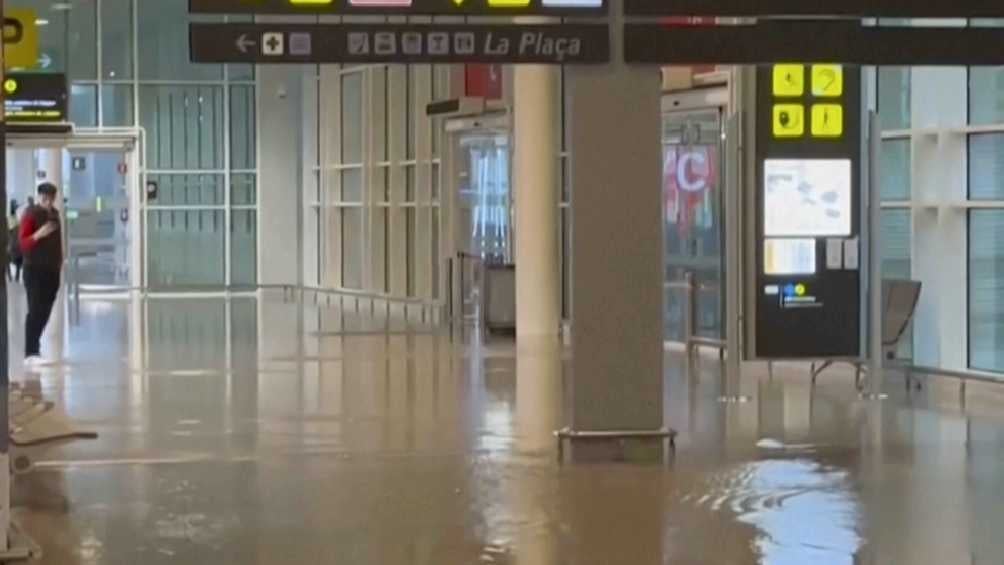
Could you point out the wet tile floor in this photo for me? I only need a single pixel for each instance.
(259, 432)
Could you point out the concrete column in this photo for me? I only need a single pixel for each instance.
(535, 183)
(279, 180)
(617, 244)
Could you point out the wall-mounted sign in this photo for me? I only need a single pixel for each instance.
(401, 7)
(388, 43)
(35, 97)
(79, 163)
(20, 39)
(852, 8)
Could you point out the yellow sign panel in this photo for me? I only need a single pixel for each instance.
(827, 81)
(827, 120)
(789, 120)
(789, 80)
(20, 39)
(508, 3)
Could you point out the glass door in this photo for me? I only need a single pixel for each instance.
(98, 216)
(693, 214)
(484, 209)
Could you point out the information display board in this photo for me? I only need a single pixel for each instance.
(807, 279)
(403, 7)
(399, 43)
(35, 98)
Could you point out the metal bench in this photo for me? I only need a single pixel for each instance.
(36, 425)
(899, 303)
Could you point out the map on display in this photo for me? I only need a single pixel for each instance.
(402, 7)
(807, 197)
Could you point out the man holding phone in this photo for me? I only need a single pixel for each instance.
(42, 247)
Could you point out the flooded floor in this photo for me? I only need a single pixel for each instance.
(258, 432)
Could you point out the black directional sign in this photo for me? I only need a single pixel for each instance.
(813, 42)
(387, 43)
(856, 8)
(401, 7)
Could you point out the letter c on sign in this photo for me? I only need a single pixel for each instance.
(684, 179)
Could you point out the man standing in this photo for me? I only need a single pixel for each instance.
(42, 247)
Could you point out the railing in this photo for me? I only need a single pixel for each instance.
(362, 302)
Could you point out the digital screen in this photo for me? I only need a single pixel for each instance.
(401, 7)
(789, 257)
(35, 97)
(807, 197)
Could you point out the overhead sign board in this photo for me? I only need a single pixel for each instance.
(812, 42)
(849, 8)
(35, 98)
(20, 39)
(388, 43)
(401, 7)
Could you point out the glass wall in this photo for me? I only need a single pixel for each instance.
(377, 220)
(199, 124)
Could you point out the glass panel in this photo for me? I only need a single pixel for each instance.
(693, 218)
(67, 39)
(352, 185)
(986, 289)
(84, 105)
(409, 113)
(352, 248)
(566, 263)
(435, 252)
(163, 43)
(116, 105)
(116, 38)
(186, 247)
(243, 190)
(986, 95)
(409, 183)
(435, 181)
(896, 169)
(242, 128)
(894, 97)
(896, 260)
(240, 72)
(895, 243)
(410, 226)
(986, 166)
(243, 247)
(188, 190)
(352, 118)
(184, 126)
(484, 186)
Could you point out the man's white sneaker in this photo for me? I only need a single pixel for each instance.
(36, 361)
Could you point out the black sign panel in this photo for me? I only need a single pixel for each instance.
(852, 8)
(808, 211)
(813, 41)
(35, 98)
(379, 43)
(402, 7)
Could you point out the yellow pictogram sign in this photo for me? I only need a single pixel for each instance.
(789, 80)
(10, 86)
(789, 120)
(827, 120)
(827, 81)
(20, 39)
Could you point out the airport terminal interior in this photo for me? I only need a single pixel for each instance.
(454, 313)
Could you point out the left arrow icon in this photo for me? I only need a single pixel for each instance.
(243, 43)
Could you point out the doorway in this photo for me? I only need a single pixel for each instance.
(100, 204)
(693, 205)
(482, 211)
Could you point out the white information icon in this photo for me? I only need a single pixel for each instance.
(439, 43)
(273, 44)
(385, 43)
(411, 43)
(463, 43)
